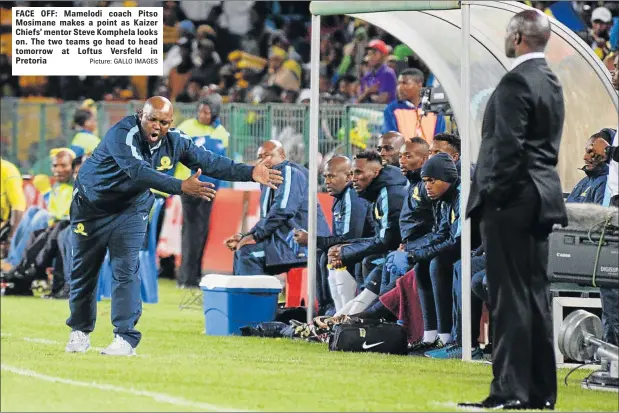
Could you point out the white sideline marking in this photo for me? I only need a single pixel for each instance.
(57, 343)
(54, 343)
(158, 397)
(5, 334)
(40, 340)
(451, 406)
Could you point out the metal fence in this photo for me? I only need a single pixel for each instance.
(29, 129)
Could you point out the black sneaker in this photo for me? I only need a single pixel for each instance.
(423, 346)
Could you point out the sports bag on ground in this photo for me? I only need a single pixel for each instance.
(375, 336)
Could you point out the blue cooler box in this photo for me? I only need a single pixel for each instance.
(234, 301)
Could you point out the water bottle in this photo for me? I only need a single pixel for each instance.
(400, 323)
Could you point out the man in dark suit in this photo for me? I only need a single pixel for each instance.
(517, 193)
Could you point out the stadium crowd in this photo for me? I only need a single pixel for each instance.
(396, 206)
(258, 52)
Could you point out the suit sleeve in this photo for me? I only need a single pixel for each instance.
(286, 202)
(513, 107)
(124, 151)
(387, 236)
(213, 165)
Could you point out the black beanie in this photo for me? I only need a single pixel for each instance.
(608, 135)
(440, 167)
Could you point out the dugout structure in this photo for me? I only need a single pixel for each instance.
(462, 42)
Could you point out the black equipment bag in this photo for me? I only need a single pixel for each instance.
(375, 336)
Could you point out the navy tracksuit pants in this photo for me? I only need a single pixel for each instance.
(123, 234)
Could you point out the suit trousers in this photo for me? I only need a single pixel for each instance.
(194, 233)
(523, 361)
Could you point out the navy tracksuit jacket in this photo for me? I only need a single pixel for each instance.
(111, 203)
(416, 217)
(591, 188)
(352, 218)
(386, 193)
(281, 211)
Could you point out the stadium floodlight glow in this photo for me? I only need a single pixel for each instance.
(580, 340)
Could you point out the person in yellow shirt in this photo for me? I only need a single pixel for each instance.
(42, 244)
(12, 202)
(206, 131)
(85, 125)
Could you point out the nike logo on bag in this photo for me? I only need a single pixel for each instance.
(367, 346)
(144, 218)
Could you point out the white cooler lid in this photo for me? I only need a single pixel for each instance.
(211, 281)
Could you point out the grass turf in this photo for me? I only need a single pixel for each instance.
(178, 368)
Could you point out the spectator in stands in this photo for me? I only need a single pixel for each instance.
(207, 132)
(207, 63)
(278, 74)
(405, 115)
(85, 124)
(389, 145)
(592, 187)
(12, 205)
(353, 55)
(9, 84)
(385, 188)
(192, 91)
(345, 89)
(269, 247)
(42, 248)
(378, 85)
(441, 249)
(352, 219)
(34, 219)
(181, 55)
(599, 34)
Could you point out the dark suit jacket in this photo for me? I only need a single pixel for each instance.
(521, 135)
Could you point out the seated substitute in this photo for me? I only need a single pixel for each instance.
(352, 219)
(269, 247)
(385, 188)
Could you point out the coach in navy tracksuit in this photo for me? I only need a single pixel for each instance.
(351, 219)
(110, 209)
(269, 247)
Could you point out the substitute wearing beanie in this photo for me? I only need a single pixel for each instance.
(435, 253)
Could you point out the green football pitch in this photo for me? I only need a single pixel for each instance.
(178, 368)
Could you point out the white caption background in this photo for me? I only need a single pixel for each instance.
(87, 41)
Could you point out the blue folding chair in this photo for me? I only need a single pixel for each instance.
(148, 263)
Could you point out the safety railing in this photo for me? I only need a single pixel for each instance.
(29, 129)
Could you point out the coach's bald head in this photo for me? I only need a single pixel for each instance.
(271, 153)
(527, 32)
(156, 118)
